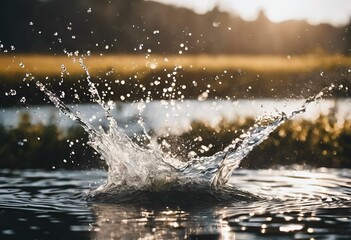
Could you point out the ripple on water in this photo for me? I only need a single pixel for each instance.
(184, 195)
(286, 207)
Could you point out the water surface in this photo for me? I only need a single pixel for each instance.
(290, 204)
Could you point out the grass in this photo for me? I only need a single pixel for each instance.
(46, 65)
(323, 142)
(320, 143)
(187, 76)
(44, 146)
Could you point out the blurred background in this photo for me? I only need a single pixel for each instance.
(249, 53)
(210, 26)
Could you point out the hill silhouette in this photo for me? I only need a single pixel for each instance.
(136, 26)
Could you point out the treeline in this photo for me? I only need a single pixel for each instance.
(136, 26)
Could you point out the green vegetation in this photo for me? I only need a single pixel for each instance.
(135, 77)
(45, 147)
(321, 143)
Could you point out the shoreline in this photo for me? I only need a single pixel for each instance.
(135, 77)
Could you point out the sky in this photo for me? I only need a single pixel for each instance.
(336, 12)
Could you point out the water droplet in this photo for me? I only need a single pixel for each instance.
(21, 65)
(23, 100)
(21, 142)
(89, 10)
(153, 65)
(216, 24)
(31, 23)
(12, 92)
(63, 68)
(69, 27)
(203, 96)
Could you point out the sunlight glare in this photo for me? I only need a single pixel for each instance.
(337, 12)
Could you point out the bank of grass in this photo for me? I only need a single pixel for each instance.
(135, 76)
(320, 143)
(45, 147)
(129, 65)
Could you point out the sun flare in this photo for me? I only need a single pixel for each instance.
(336, 12)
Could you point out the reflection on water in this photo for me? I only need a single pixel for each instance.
(300, 204)
(157, 223)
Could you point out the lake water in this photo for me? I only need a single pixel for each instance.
(148, 195)
(175, 116)
(290, 204)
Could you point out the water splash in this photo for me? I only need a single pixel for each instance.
(134, 167)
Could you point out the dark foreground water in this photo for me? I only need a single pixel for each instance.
(292, 204)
